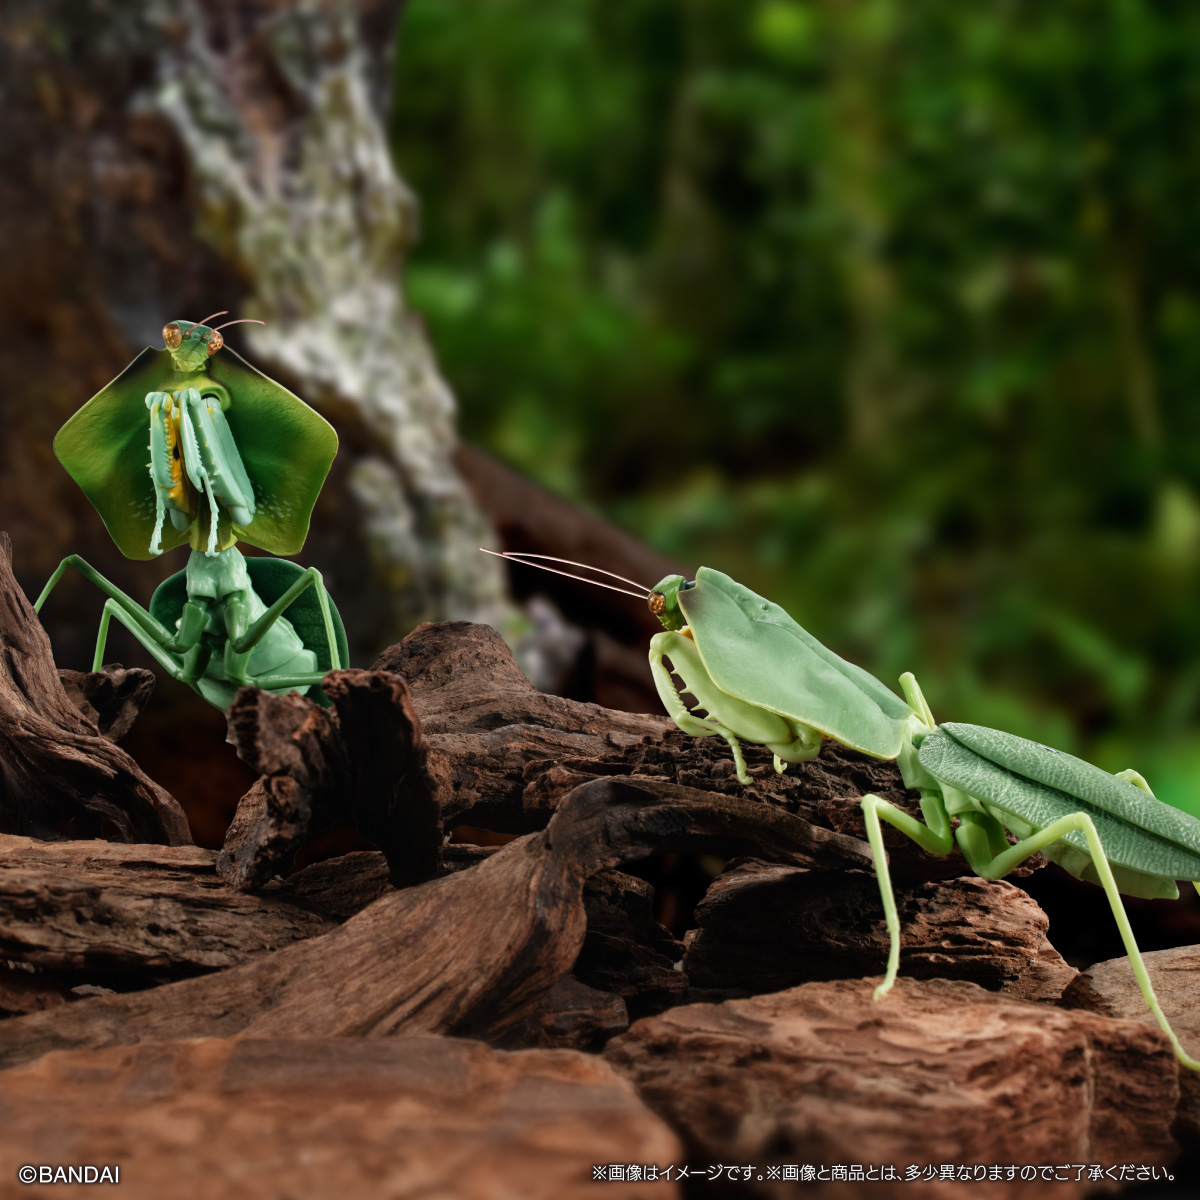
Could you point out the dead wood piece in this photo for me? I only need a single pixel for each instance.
(110, 698)
(23, 989)
(578, 1016)
(59, 777)
(626, 951)
(1110, 988)
(764, 926)
(938, 1072)
(151, 910)
(1045, 980)
(415, 1117)
(338, 887)
(472, 953)
(363, 759)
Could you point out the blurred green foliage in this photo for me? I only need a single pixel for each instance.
(889, 309)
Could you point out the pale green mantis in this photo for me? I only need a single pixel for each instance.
(184, 448)
(759, 676)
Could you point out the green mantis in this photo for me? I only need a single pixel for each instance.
(232, 455)
(758, 676)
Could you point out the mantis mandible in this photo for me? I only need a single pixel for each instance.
(759, 676)
(232, 454)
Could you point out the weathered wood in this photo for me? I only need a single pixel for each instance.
(415, 1117)
(363, 759)
(472, 953)
(938, 1072)
(1111, 989)
(158, 911)
(110, 698)
(59, 777)
(765, 927)
(626, 952)
(578, 1016)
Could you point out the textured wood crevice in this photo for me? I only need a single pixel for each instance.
(60, 777)
(363, 759)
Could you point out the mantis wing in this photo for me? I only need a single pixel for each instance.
(756, 652)
(286, 447)
(1033, 786)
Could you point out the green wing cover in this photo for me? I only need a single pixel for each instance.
(1038, 785)
(755, 652)
(286, 447)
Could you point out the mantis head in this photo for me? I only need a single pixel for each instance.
(664, 601)
(192, 344)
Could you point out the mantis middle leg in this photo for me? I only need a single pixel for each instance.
(984, 845)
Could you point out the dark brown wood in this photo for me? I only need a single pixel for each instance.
(473, 953)
(766, 927)
(153, 911)
(938, 1072)
(580, 1017)
(59, 776)
(364, 760)
(626, 952)
(110, 698)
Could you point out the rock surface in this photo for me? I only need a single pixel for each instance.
(414, 1117)
(939, 1072)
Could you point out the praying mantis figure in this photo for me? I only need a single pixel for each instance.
(759, 676)
(232, 455)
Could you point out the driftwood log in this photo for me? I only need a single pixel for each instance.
(116, 952)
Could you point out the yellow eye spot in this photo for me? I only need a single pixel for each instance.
(172, 336)
(215, 342)
(657, 602)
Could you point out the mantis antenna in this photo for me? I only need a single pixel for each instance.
(513, 556)
(223, 313)
(239, 321)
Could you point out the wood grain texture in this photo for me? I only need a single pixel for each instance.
(59, 776)
(472, 953)
(411, 1118)
(938, 1072)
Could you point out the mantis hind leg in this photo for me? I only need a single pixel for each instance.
(934, 837)
(991, 865)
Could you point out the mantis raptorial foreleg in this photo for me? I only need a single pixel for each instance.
(728, 717)
(978, 835)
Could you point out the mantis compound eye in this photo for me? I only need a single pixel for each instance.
(215, 342)
(172, 336)
(657, 603)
